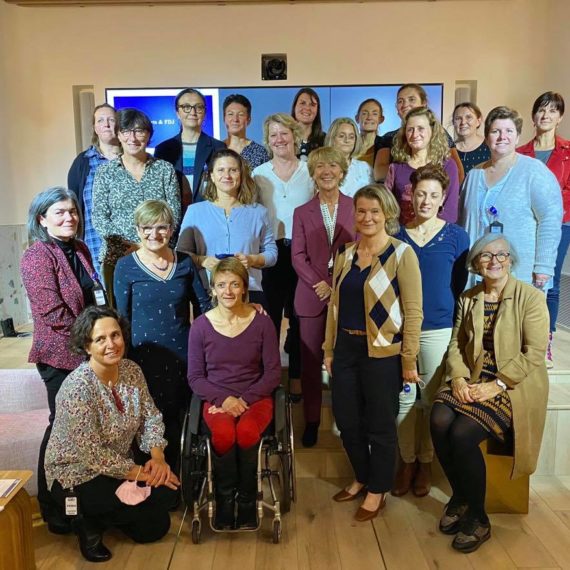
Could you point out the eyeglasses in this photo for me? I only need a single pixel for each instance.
(139, 133)
(161, 229)
(487, 257)
(198, 109)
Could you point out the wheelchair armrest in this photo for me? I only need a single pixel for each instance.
(195, 414)
(280, 408)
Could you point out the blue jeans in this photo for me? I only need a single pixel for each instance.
(553, 295)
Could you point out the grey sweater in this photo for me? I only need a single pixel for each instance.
(529, 206)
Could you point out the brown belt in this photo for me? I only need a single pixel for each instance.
(354, 332)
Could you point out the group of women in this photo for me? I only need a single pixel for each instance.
(301, 230)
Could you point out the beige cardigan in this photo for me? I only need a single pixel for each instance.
(520, 339)
(393, 316)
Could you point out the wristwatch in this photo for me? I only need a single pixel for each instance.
(501, 384)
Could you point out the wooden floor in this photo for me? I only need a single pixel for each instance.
(320, 534)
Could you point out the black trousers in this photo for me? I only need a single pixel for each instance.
(365, 395)
(53, 379)
(146, 522)
(279, 283)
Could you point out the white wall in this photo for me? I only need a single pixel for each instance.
(47, 50)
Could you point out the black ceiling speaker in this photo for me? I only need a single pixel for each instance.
(273, 66)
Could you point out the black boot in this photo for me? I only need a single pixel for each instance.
(247, 489)
(225, 481)
(90, 540)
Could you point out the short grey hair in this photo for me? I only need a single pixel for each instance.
(484, 241)
(41, 204)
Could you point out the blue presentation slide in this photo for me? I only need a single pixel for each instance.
(336, 101)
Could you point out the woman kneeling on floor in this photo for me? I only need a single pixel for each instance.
(234, 366)
(102, 407)
(497, 386)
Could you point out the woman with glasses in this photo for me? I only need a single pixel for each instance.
(495, 386)
(123, 184)
(191, 149)
(343, 136)
(153, 287)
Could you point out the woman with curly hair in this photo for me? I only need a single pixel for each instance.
(420, 141)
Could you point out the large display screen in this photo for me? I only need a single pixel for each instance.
(336, 101)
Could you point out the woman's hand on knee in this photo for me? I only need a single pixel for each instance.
(461, 390)
(173, 482)
(158, 472)
(234, 406)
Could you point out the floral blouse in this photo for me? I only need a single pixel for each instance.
(116, 196)
(90, 436)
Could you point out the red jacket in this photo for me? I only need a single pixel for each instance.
(56, 300)
(559, 165)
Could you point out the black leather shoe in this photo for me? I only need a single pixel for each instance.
(90, 541)
(247, 514)
(311, 434)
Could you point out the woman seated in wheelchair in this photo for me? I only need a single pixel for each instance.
(234, 366)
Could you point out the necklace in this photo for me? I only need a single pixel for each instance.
(161, 268)
(425, 232)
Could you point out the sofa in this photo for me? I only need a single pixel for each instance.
(24, 416)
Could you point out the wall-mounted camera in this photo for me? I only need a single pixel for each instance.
(274, 66)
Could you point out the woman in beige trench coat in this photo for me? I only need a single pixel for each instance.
(496, 385)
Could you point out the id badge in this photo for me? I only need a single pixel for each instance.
(496, 227)
(71, 506)
(99, 297)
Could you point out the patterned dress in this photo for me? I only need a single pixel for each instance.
(495, 414)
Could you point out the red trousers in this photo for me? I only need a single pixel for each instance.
(244, 430)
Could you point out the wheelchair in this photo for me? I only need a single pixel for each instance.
(275, 465)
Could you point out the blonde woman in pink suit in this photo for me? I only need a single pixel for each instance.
(320, 227)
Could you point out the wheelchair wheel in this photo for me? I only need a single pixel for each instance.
(196, 531)
(284, 474)
(276, 531)
(193, 467)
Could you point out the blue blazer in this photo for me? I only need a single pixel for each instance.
(171, 151)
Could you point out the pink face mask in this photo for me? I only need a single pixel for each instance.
(130, 493)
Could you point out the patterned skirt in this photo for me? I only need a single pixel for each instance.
(494, 415)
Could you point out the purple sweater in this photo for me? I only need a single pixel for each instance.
(246, 366)
(398, 180)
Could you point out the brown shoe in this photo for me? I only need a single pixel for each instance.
(363, 515)
(404, 478)
(344, 496)
(422, 480)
